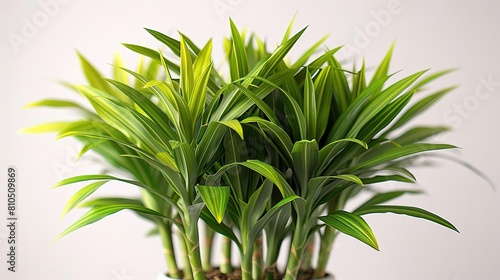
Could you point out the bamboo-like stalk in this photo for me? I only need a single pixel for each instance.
(193, 248)
(188, 273)
(271, 268)
(246, 264)
(297, 248)
(207, 252)
(308, 255)
(326, 244)
(257, 258)
(225, 262)
(165, 231)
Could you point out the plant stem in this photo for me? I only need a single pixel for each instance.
(257, 258)
(308, 254)
(188, 273)
(225, 262)
(165, 231)
(326, 245)
(297, 248)
(246, 264)
(271, 261)
(193, 247)
(207, 253)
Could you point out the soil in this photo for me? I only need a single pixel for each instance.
(215, 274)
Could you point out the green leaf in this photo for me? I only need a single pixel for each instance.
(328, 152)
(47, 127)
(238, 56)
(99, 212)
(234, 125)
(381, 101)
(106, 201)
(83, 178)
(323, 88)
(383, 197)
(93, 76)
(383, 67)
(198, 100)
(386, 178)
(418, 134)
(407, 210)
(418, 86)
(352, 225)
(420, 107)
(152, 54)
(215, 198)
(278, 135)
(118, 73)
(278, 55)
(310, 109)
(263, 169)
(264, 221)
(219, 227)
(305, 156)
(185, 160)
(170, 42)
(398, 152)
(81, 195)
(187, 72)
(57, 103)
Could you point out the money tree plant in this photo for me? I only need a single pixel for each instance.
(271, 151)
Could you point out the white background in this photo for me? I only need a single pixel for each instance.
(428, 34)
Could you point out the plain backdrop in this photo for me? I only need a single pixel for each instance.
(38, 40)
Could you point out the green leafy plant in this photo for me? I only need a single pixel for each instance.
(272, 152)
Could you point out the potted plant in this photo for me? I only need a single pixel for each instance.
(272, 152)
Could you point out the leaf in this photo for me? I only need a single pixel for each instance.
(279, 54)
(278, 135)
(420, 107)
(47, 127)
(197, 102)
(97, 213)
(305, 156)
(310, 109)
(418, 86)
(407, 210)
(235, 125)
(118, 73)
(323, 88)
(352, 225)
(187, 72)
(170, 42)
(385, 178)
(57, 103)
(418, 134)
(398, 152)
(156, 114)
(328, 152)
(383, 197)
(83, 178)
(81, 195)
(264, 221)
(316, 184)
(185, 161)
(238, 56)
(93, 76)
(219, 227)
(263, 169)
(106, 201)
(152, 54)
(383, 67)
(381, 101)
(215, 198)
